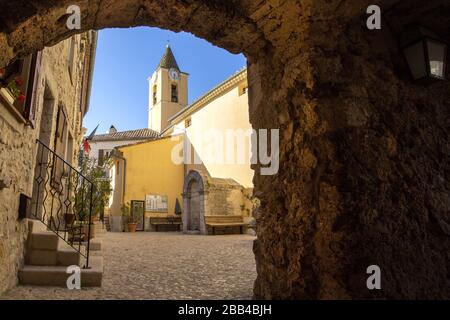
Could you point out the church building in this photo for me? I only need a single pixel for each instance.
(195, 173)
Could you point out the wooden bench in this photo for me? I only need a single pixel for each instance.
(165, 221)
(225, 222)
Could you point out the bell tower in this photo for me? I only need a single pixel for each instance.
(168, 92)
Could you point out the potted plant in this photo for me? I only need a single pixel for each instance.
(86, 224)
(91, 198)
(69, 218)
(14, 87)
(130, 219)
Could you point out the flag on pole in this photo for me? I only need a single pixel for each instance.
(86, 146)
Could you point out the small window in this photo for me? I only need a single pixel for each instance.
(188, 123)
(243, 89)
(155, 89)
(174, 93)
(61, 137)
(101, 155)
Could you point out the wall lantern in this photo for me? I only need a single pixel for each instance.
(425, 54)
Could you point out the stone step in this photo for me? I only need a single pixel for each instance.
(36, 226)
(57, 275)
(99, 227)
(42, 257)
(68, 257)
(95, 244)
(44, 240)
(61, 257)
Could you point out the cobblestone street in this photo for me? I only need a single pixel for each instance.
(150, 265)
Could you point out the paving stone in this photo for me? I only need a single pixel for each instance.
(150, 265)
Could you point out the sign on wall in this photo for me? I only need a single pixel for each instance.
(156, 203)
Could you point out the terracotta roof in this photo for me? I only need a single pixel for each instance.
(140, 134)
(168, 60)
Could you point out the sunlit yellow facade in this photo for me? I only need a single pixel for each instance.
(150, 170)
(210, 138)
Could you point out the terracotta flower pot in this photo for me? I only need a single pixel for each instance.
(132, 227)
(69, 218)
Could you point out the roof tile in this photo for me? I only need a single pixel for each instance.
(140, 134)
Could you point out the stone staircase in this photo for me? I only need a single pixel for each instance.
(106, 222)
(48, 257)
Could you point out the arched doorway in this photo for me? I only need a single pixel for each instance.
(194, 204)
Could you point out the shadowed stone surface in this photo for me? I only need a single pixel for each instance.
(364, 153)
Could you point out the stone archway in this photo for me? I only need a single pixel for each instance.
(194, 203)
(364, 152)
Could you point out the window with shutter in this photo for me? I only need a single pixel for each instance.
(60, 146)
(18, 87)
(33, 85)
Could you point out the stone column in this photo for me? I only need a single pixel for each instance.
(203, 211)
(185, 214)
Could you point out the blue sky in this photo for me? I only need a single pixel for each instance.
(127, 57)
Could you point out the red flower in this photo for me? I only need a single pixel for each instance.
(19, 82)
(21, 98)
(2, 72)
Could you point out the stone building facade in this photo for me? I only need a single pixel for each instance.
(205, 196)
(57, 82)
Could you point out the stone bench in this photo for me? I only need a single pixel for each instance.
(166, 221)
(225, 222)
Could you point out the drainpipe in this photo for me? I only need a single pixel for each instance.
(119, 155)
(124, 179)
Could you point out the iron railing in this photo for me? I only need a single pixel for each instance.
(63, 200)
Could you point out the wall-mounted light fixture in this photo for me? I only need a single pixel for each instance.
(425, 54)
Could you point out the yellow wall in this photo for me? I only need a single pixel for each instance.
(226, 112)
(150, 170)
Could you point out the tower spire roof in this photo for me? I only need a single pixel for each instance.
(168, 60)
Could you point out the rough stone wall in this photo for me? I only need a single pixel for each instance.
(18, 152)
(16, 162)
(364, 166)
(364, 160)
(223, 197)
